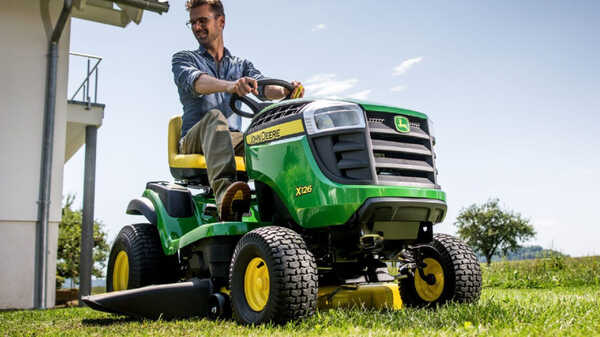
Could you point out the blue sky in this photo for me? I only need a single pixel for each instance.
(512, 87)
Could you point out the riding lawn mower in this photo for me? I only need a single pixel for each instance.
(344, 202)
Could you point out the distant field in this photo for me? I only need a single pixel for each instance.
(551, 305)
(543, 273)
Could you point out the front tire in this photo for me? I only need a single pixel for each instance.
(456, 274)
(272, 277)
(137, 260)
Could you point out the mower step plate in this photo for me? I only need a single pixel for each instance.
(175, 300)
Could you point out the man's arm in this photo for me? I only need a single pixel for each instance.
(193, 80)
(206, 85)
(273, 92)
(185, 72)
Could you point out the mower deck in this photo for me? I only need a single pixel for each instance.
(192, 299)
(174, 300)
(379, 296)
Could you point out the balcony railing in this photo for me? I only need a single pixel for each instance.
(87, 86)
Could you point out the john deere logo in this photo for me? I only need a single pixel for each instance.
(402, 124)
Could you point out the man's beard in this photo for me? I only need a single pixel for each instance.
(204, 39)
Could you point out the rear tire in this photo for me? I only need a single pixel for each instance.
(457, 275)
(137, 259)
(272, 277)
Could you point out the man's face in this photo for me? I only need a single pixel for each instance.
(207, 27)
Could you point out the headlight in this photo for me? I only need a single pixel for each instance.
(323, 116)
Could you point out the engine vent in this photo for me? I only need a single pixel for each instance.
(276, 114)
(401, 158)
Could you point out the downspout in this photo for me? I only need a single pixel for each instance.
(41, 238)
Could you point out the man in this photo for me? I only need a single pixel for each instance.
(205, 79)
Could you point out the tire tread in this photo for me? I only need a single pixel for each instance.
(463, 282)
(294, 271)
(467, 271)
(146, 258)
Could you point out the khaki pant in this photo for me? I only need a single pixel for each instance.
(212, 138)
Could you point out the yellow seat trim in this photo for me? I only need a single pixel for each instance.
(198, 161)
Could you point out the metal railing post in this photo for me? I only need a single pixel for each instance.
(84, 87)
(96, 86)
(87, 78)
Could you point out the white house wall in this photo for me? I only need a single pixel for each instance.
(25, 28)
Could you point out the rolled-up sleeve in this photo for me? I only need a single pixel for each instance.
(185, 72)
(250, 71)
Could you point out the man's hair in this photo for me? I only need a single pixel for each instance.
(215, 5)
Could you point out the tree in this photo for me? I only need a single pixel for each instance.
(489, 229)
(69, 243)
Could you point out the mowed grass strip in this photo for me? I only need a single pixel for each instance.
(500, 312)
(543, 273)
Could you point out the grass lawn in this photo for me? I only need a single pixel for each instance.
(546, 297)
(500, 312)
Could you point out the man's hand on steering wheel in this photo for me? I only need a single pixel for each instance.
(272, 89)
(244, 86)
(274, 92)
(298, 91)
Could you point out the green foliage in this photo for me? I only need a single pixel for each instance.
(550, 272)
(490, 229)
(69, 240)
(500, 312)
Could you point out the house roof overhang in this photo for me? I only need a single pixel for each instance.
(117, 12)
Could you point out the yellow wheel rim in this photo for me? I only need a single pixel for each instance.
(426, 291)
(121, 271)
(256, 284)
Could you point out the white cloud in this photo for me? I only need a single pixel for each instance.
(406, 65)
(336, 87)
(319, 78)
(320, 26)
(322, 85)
(361, 95)
(398, 88)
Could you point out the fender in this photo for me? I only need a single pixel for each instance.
(142, 206)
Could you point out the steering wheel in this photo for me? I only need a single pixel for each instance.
(254, 105)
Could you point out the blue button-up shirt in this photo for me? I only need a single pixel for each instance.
(189, 65)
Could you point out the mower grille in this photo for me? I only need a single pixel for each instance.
(401, 158)
(276, 114)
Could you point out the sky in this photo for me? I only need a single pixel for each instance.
(512, 87)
